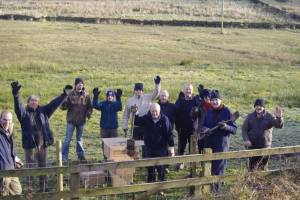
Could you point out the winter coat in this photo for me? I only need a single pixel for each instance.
(219, 139)
(27, 125)
(7, 153)
(109, 115)
(78, 106)
(184, 119)
(259, 130)
(169, 109)
(143, 103)
(157, 136)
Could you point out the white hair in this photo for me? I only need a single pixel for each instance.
(186, 85)
(165, 92)
(155, 106)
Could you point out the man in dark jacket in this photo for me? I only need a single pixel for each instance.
(219, 139)
(8, 159)
(109, 112)
(257, 132)
(36, 133)
(79, 107)
(184, 122)
(167, 108)
(158, 138)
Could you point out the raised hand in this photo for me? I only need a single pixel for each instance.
(15, 87)
(67, 89)
(157, 80)
(119, 94)
(96, 93)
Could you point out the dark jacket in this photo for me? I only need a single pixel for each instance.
(157, 136)
(219, 139)
(184, 119)
(169, 109)
(7, 153)
(78, 106)
(109, 115)
(259, 130)
(43, 113)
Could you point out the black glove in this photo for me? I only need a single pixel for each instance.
(181, 96)
(157, 80)
(96, 93)
(15, 87)
(67, 89)
(200, 89)
(119, 94)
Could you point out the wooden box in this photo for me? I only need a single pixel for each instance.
(93, 179)
(114, 147)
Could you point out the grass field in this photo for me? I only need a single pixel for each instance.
(242, 64)
(234, 10)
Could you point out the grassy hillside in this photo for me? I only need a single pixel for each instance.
(242, 64)
(288, 5)
(235, 10)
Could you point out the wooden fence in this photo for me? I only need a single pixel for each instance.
(197, 183)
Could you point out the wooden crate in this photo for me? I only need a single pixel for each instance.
(93, 179)
(114, 147)
(122, 176)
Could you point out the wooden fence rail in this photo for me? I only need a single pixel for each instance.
(195, 181)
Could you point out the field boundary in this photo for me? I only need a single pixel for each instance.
(208, 24)
(276, 10)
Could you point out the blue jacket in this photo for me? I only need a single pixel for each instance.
(184, 119)
(157, 136)
(169, 109)
(25, 118)
(219, 139)
(7, 153)
(109, 115)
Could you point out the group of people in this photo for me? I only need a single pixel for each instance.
(203, 114)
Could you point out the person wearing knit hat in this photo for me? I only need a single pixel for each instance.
(109, 112)
(257, 132)
(198, 113)
(142, 101)
(79, 108)
(219, 139)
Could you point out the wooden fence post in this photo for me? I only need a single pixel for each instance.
(75, 185)
(193, 165)
(206, 171)
(60, 186)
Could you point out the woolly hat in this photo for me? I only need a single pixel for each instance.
(110, 93)
(205, 93)
(78, 80)
(138, 86)
(259, 102)
(215, 94)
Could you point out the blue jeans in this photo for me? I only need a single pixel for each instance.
(79, 142)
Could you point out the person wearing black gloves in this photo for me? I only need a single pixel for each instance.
(109, 112)
(79, 108)
(143, 102)
(36, 133)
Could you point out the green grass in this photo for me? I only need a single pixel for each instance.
(242, 64)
